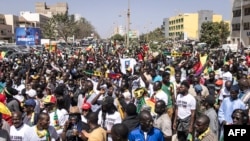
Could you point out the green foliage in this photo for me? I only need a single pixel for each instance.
(117, 37)
(85, 29)
(214, 33)
(64, 25)
(155, 35)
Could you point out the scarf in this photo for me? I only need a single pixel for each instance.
(43, 133)
(201, 136)
(55, 119)
(140, 103)
(87, 96)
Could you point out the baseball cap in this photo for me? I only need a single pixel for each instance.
(31, 93)
(30, 102)
(49, 99)
(198, 88)
(86, 106)
(108, 100)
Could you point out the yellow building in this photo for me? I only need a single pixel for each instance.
(187, 26)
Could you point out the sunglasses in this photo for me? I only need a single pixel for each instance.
(237, 118)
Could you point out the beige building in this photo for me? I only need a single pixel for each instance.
(49, 10)
(29, 19)
(12, 20)
(188, 25)
(241, 22)
(6, 33)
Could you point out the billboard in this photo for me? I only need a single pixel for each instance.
(28, 36)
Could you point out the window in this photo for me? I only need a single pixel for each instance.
(246, 26)
(236, 13)
(236, 27)
(205, 18)
(247, 11)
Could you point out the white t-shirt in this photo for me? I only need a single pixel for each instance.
(31, 134)
(62, 118)
(17, 134)
(185, 104)
(161, 95)
(110, 121)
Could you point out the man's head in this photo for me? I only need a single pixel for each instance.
(29, 105)
(211, 75)
(184, 87)
(119, 132)
(243, 84)
(92, 118)
(202, 124)
(228, 84)
(43, 120)
(157, 85)
(240, 117)
(17, 119)
(146, 121)
(234, 91)
(178, 76)
(165, 77)
(131, 109)
(160, 107)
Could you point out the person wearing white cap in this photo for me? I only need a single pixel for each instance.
(32, 95)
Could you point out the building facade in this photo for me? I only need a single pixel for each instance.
(50, 10)
(12, 20)
(6, 33)
(240, 30)
(188, 25)
(28, 18)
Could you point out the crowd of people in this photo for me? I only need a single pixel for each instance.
(104, 96)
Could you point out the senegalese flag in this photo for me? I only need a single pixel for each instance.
(4, 109)
(89, 48)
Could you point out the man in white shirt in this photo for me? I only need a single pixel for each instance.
(42, 131)
(159, 93)
(185, 112)
(18, 128)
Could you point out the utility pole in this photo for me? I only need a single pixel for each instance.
(128, 24)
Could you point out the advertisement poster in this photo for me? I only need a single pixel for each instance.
(28, 36)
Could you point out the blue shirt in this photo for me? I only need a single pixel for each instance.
(154, 134)
(227, 107)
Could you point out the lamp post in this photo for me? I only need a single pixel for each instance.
(241, 18)
(128, 23)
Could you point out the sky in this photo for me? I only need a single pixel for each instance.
(104, 15)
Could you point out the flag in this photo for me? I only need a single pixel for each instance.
(198, 67)
(4, 109)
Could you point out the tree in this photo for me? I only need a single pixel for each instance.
(48, 30)
(65, 25)
(117, 37)
(85, 29)
(155, 35)
(214, 33)
(224, 32)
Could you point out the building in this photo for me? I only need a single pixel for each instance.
(6, 33)
(188, 25)
(119, 30)
(240, 22)
(50, 10)
(12, 20)
(29, 19)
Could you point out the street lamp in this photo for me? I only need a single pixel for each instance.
(128, 23)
